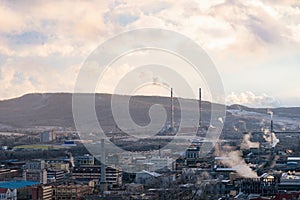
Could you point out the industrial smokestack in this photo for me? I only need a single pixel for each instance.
(200, 107)
(103, 186)
(271, 128)
(172, 111)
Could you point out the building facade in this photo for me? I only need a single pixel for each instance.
(42, 192)
(93, 173)
(8, 194)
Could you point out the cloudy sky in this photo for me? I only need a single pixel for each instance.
(255, 45)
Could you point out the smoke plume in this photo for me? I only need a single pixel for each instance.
(247, 144)
(271, 138)
(236, 162)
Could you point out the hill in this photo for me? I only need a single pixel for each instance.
(55, 109)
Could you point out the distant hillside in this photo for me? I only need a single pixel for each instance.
(37, 110)
(293, 112)
(55, 109)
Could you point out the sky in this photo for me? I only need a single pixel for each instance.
(255, 45)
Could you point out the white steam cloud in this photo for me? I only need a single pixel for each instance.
(236, 162)
(271, 138)
(247, 144)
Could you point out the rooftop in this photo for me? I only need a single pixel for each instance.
(293, 158)
(3, 190)
(154, 174)
(17, 184)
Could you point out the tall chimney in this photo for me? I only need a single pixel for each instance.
(272, 131)
(272, 126)
(103, 186)
(200, 107)
(172, 111)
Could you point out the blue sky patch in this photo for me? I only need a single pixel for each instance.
(126, 19)
(27, 38)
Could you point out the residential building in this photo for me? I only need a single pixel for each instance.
(24, 188)
(54, 175)
(8, 194)
(86, 160)
(35, 171)
(8, 174)
(58, 165)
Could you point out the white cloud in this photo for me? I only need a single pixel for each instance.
(19, 77)
(236, 34)
(6, 50)
(242, 26)
(10, 21)
(250, 99)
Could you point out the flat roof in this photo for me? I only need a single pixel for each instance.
(225, 169)
(294, 158)
(150, 173)
(289, 183)
(17, 184)
(222, 158)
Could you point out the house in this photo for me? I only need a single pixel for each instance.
(23, 189)
(8, 194)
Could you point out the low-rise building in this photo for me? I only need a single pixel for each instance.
(289, 182)
(8, 174)
(58, 165)
(24, 188)
(8, 194)
(71, 191)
